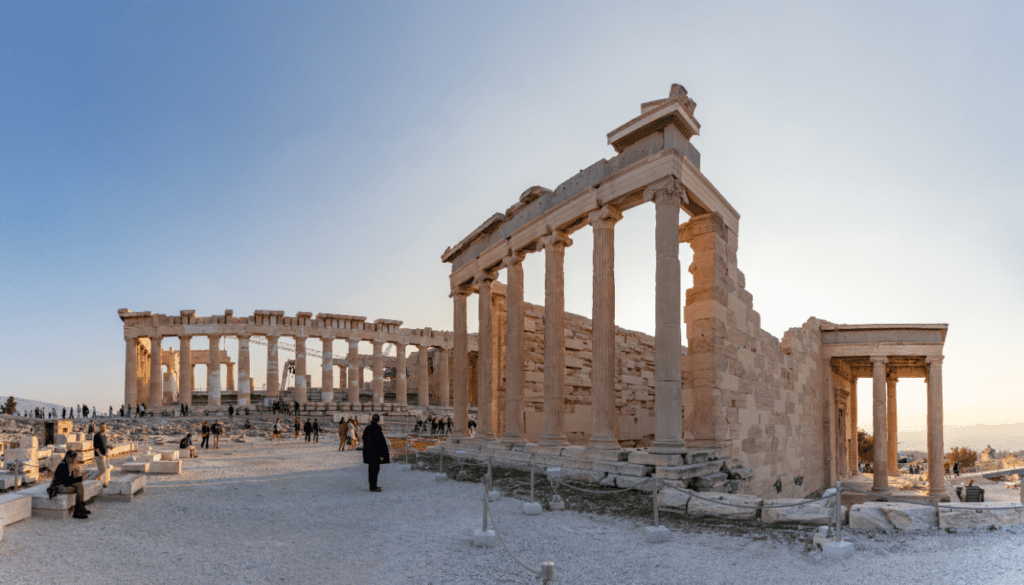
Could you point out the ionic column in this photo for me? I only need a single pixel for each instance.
(273, 376)
(604, 427)
(353, 371)
(300, 370)
(936, 449)
(894, 459)
(244, 380)
(131, 369)
(854, 447)
(460, 416)
(515, 352)
(378, 372)
(327, 371)
(668, 400)
(213, 373)
(423, 376)
(444, 380)
(229, 383)
(401, 379)
(484, 373)
(880, 416)
(554, 338)
(185, 370)
(156, 376)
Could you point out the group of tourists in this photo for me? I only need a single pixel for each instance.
(435, 425)
(348, 434)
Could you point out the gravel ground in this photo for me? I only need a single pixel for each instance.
(297, 513)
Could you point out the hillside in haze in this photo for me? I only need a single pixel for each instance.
(1004, 437)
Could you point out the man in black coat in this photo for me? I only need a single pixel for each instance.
(375, 450)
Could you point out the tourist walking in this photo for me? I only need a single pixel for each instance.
(316, 431)
(355, 433)
(205, 433)
(307, 428)
(216, 429)
(99, 446)
(375, 451)
(298, 427)
(275, 431)
(67, 478)
(231, 412)
(342, 434)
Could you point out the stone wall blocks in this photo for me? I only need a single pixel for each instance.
(720, 507)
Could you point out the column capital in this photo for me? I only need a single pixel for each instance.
(935, 359)
(669, 188)
(555, 239)
(185, 336)
(879, 359)
(605, 216)
(298, 337)
(461, 291)
(400, 345)
(485, 276)
(891, 377)
(513, 258)
(270, 336)
(353, 343)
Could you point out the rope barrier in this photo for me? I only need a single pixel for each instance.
(931, 504)
(605, 492)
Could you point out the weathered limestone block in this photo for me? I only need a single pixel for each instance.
(588, 476)
(28, 442)
(689, 471)
(169, 455)
(7, 481)
(125, 488)
(721, 507)
(980, 515)
(631, 481)
(712, 481)
(21, 455)
(819, 512)
(890, 515)
(644, 458)
(91, 488)
(61, 439)
(15, 507)
(80, 445)
(171, 467)
(135, 466)
(674, 498)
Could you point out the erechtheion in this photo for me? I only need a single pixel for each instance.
(585, 394)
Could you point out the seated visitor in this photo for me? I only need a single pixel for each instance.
(68, 478)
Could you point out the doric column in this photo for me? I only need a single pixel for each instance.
(300, 369)
(401, 379)
(460, 415)
(444, 380)
(604, 427)
(378, 372)
(515, 352)
(423, 376)
(229, 382)
(880, 416)
(131, 369)
(894, 460)
(554, 338)
(273, 379)
(353, 371)
(213, 373)
(327, 370)
(484, 373)
(668, 399)
(156, 376)
(185, 370)
(936, 448)
(244, 380)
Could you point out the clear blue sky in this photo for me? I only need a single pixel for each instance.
(321, 157)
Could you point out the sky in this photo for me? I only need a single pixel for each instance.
(321, 156)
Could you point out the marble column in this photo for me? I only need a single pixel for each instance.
(484, 367)
(353, 371)
(423, 376)
(554, 338)
(854, 444)
(378, 373)
(668, 399)
(156, 376)
(229, 383)
(300, 370)
(444, 380)
(604, 416)
(936, 447)
(213, 373)
(880, 465)
(185, 371)
(460, 414)
(401, 377)
(894, 460)
(515, 353)
(327, 370)
(244, 380)
(131, 375)
(273, 375)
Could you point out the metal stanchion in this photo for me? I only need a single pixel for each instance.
(487, 496)
(532, 498)
(547, 572)
(839, 512)
(654, 491)
(442, 458)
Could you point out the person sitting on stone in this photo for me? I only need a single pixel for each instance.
(67, 478)
(186, 443)
(248, 425)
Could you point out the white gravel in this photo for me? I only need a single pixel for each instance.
(298, 513)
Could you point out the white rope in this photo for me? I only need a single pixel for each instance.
(933, 505)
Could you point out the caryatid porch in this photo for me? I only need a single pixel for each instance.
(268, 327)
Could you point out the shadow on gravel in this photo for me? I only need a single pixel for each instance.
(628, 504)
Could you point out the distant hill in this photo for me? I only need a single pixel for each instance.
(26, 404)
(1005, 437)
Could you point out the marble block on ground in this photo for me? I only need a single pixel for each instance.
(980, 515)
(819, 512)
(838, 550)
(123, 489)
(889, 515)
(135, 466)
(57, 508)
(14, 507)
(721, 506)
(657, 534)
(171, 467)
(169, 455)
(532, 508)
(674, 498)
(7, 481)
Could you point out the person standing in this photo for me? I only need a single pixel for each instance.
(307, 428)
(216, 429)
(205, 432)
(375, 451)
(275, 432)
(99, 445)
(343, 434)
(298, 427)
(316, 431)
(231, 412)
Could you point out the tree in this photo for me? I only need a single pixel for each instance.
(865, 447)
(9, 406)
(965, 456)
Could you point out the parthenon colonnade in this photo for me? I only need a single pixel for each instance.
(268, 327)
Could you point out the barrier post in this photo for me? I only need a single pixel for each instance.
(442, 457)
(655, 491)
(487, 495)
(547, 572)
(532, 498)
(839, 512)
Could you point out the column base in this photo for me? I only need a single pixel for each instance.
(553, 441)
(520, 438)
(667, 447)
(603, 443)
